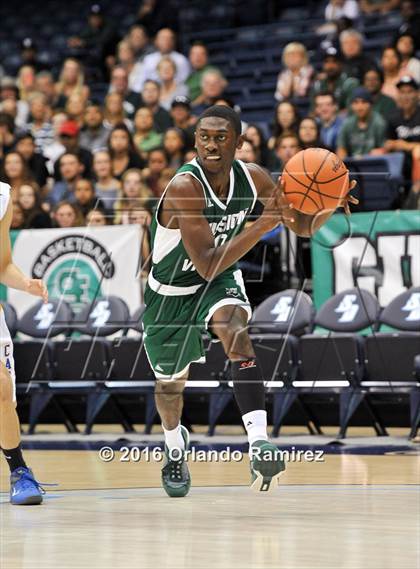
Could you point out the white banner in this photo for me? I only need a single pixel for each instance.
(80, 264)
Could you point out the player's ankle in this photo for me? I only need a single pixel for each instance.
(255, 423)
(174, 438)
(14, 458)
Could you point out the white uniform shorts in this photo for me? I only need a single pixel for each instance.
(6, 351)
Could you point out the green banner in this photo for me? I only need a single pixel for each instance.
(378, 251)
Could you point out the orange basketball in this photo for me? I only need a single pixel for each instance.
(315, 179)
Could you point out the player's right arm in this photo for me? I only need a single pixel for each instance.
(10, 274)
(185, 199)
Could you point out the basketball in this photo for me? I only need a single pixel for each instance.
(315, 179)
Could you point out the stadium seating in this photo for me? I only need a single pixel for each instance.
(34, 360)
(252, 51)
(84, 364)
(390, 356)
(275, 326)
(350, 353)
(333, 361)
(378, 181)
(210, 379)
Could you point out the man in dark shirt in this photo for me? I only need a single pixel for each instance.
(119, 84)
(96, 44)
(7, 134)
(410, 20)
(334, 80)
(373, 79)
(404, 125)
(29, 55)
(25, 145)
(150, 95)
(183, 119)
(355, 61)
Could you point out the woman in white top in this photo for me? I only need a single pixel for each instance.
(294, 81)
(337, 9)
(410, 65)
(169, 88)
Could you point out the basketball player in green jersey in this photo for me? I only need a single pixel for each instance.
(198, 234)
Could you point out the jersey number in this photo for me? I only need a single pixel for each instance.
(220, 240)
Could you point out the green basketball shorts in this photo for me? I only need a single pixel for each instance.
(175, 319)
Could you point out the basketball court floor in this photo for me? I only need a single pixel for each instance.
(358, 508)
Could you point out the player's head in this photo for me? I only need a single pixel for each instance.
(217, 135)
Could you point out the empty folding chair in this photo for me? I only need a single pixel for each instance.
(33, 356)
(390, 356)
(87, 357)
(82, 365)
(376, 188)
(332, 362)
(274, 327)
(130, 372)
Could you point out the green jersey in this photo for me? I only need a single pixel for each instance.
(173, 272)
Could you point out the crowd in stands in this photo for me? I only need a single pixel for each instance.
(72, 159)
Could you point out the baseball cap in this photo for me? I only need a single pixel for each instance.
(332, 52)
(361, 93)
(180, 100)
(96, 9)
(69, 128)
(407, 80)
(27, 43)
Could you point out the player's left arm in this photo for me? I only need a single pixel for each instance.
(303, 225)
(10, 274)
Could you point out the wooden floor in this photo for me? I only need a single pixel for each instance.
(349, 512)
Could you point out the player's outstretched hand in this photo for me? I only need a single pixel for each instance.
(348, 199)
(37, 288)
(277, 209)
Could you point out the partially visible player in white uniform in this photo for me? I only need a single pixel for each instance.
(24, 489)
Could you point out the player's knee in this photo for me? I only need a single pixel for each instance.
(170, 388)
(6, 387)
(237, 343)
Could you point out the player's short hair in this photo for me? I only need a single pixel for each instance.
(224, 113)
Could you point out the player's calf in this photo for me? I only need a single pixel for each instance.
(176, 479)
(24, 489)
(265, 459)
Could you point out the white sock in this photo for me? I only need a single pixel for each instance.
(174, 438)
(256, 425)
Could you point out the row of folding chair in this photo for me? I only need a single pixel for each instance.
(294, 358)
